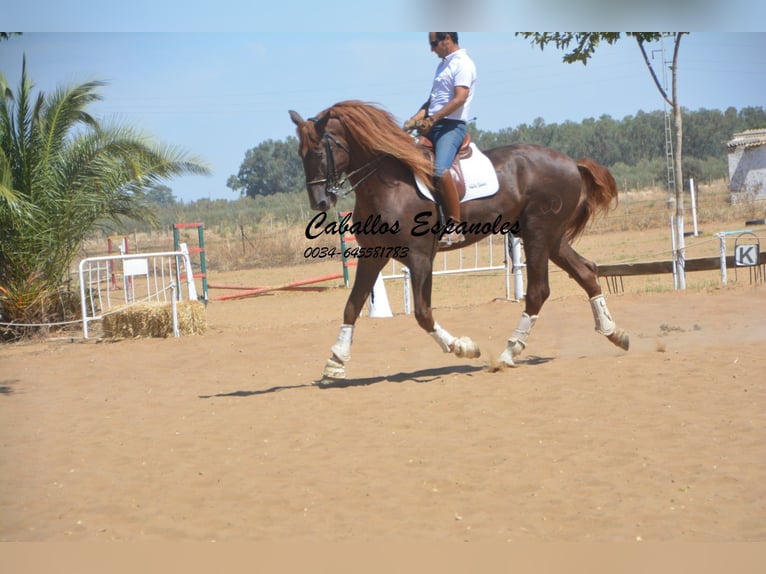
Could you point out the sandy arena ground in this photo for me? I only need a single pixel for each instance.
(224, 436)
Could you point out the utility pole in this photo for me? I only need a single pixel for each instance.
(675, 201)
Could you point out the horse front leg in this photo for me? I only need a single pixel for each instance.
(422, 282)
(366, 274)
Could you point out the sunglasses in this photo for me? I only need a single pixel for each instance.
(434, 43)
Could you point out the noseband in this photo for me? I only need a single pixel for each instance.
(333, 181)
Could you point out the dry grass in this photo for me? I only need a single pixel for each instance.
(648, 209)
(153, 319)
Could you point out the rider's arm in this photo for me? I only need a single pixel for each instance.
(460, 97)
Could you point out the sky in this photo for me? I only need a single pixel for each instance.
(217, 94)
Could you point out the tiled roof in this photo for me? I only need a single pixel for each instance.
(748, 138)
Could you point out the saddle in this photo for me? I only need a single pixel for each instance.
(456, 172)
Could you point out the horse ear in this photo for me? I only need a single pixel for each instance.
(296, 117)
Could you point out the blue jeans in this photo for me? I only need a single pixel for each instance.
(446, 137)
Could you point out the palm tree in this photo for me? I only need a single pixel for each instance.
(62, 174)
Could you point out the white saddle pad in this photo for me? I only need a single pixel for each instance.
(480, 177)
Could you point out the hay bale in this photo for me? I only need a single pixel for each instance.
(154, 320)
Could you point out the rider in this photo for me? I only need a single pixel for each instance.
(442, 119)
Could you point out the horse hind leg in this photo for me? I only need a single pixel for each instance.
(606, 325)
(518, 342)
(538, 290)
(586, 274)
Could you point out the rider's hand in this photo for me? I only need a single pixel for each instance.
(410, 124)
(424, 126)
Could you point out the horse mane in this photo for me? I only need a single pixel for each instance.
(375, 131)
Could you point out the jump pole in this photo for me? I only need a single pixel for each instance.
(262, 290)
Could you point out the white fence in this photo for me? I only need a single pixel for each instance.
(485, 258)
(121, 280)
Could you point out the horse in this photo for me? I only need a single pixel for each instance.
(544, 196)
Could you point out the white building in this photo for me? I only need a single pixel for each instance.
(747, 164)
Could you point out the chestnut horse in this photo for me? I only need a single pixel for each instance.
(547, 197)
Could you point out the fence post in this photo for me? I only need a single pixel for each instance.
(722, 240)
(406, 284)
(518, 265)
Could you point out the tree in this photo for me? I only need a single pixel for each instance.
(62, 174)
(160, 195)
(584, 45)
(271, 167)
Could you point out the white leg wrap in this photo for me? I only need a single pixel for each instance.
(518, 342)
(521, 333)
(604, 322)
(342, 347)
(443, 338)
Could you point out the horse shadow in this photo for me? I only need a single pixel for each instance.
(534, 360)
(6, 386)
(421, 376)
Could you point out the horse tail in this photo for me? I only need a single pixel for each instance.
(597, 194)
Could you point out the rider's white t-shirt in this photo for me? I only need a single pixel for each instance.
(457, 69)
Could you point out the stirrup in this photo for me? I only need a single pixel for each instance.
(451, 239)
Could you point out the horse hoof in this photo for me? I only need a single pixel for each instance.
(326, 381)
(620, 338)
(506, 358)
(466, 348)
(333, 370)
(495, 365)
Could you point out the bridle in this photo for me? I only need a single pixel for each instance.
(333, 180)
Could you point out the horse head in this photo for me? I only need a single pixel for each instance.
(325, 157)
